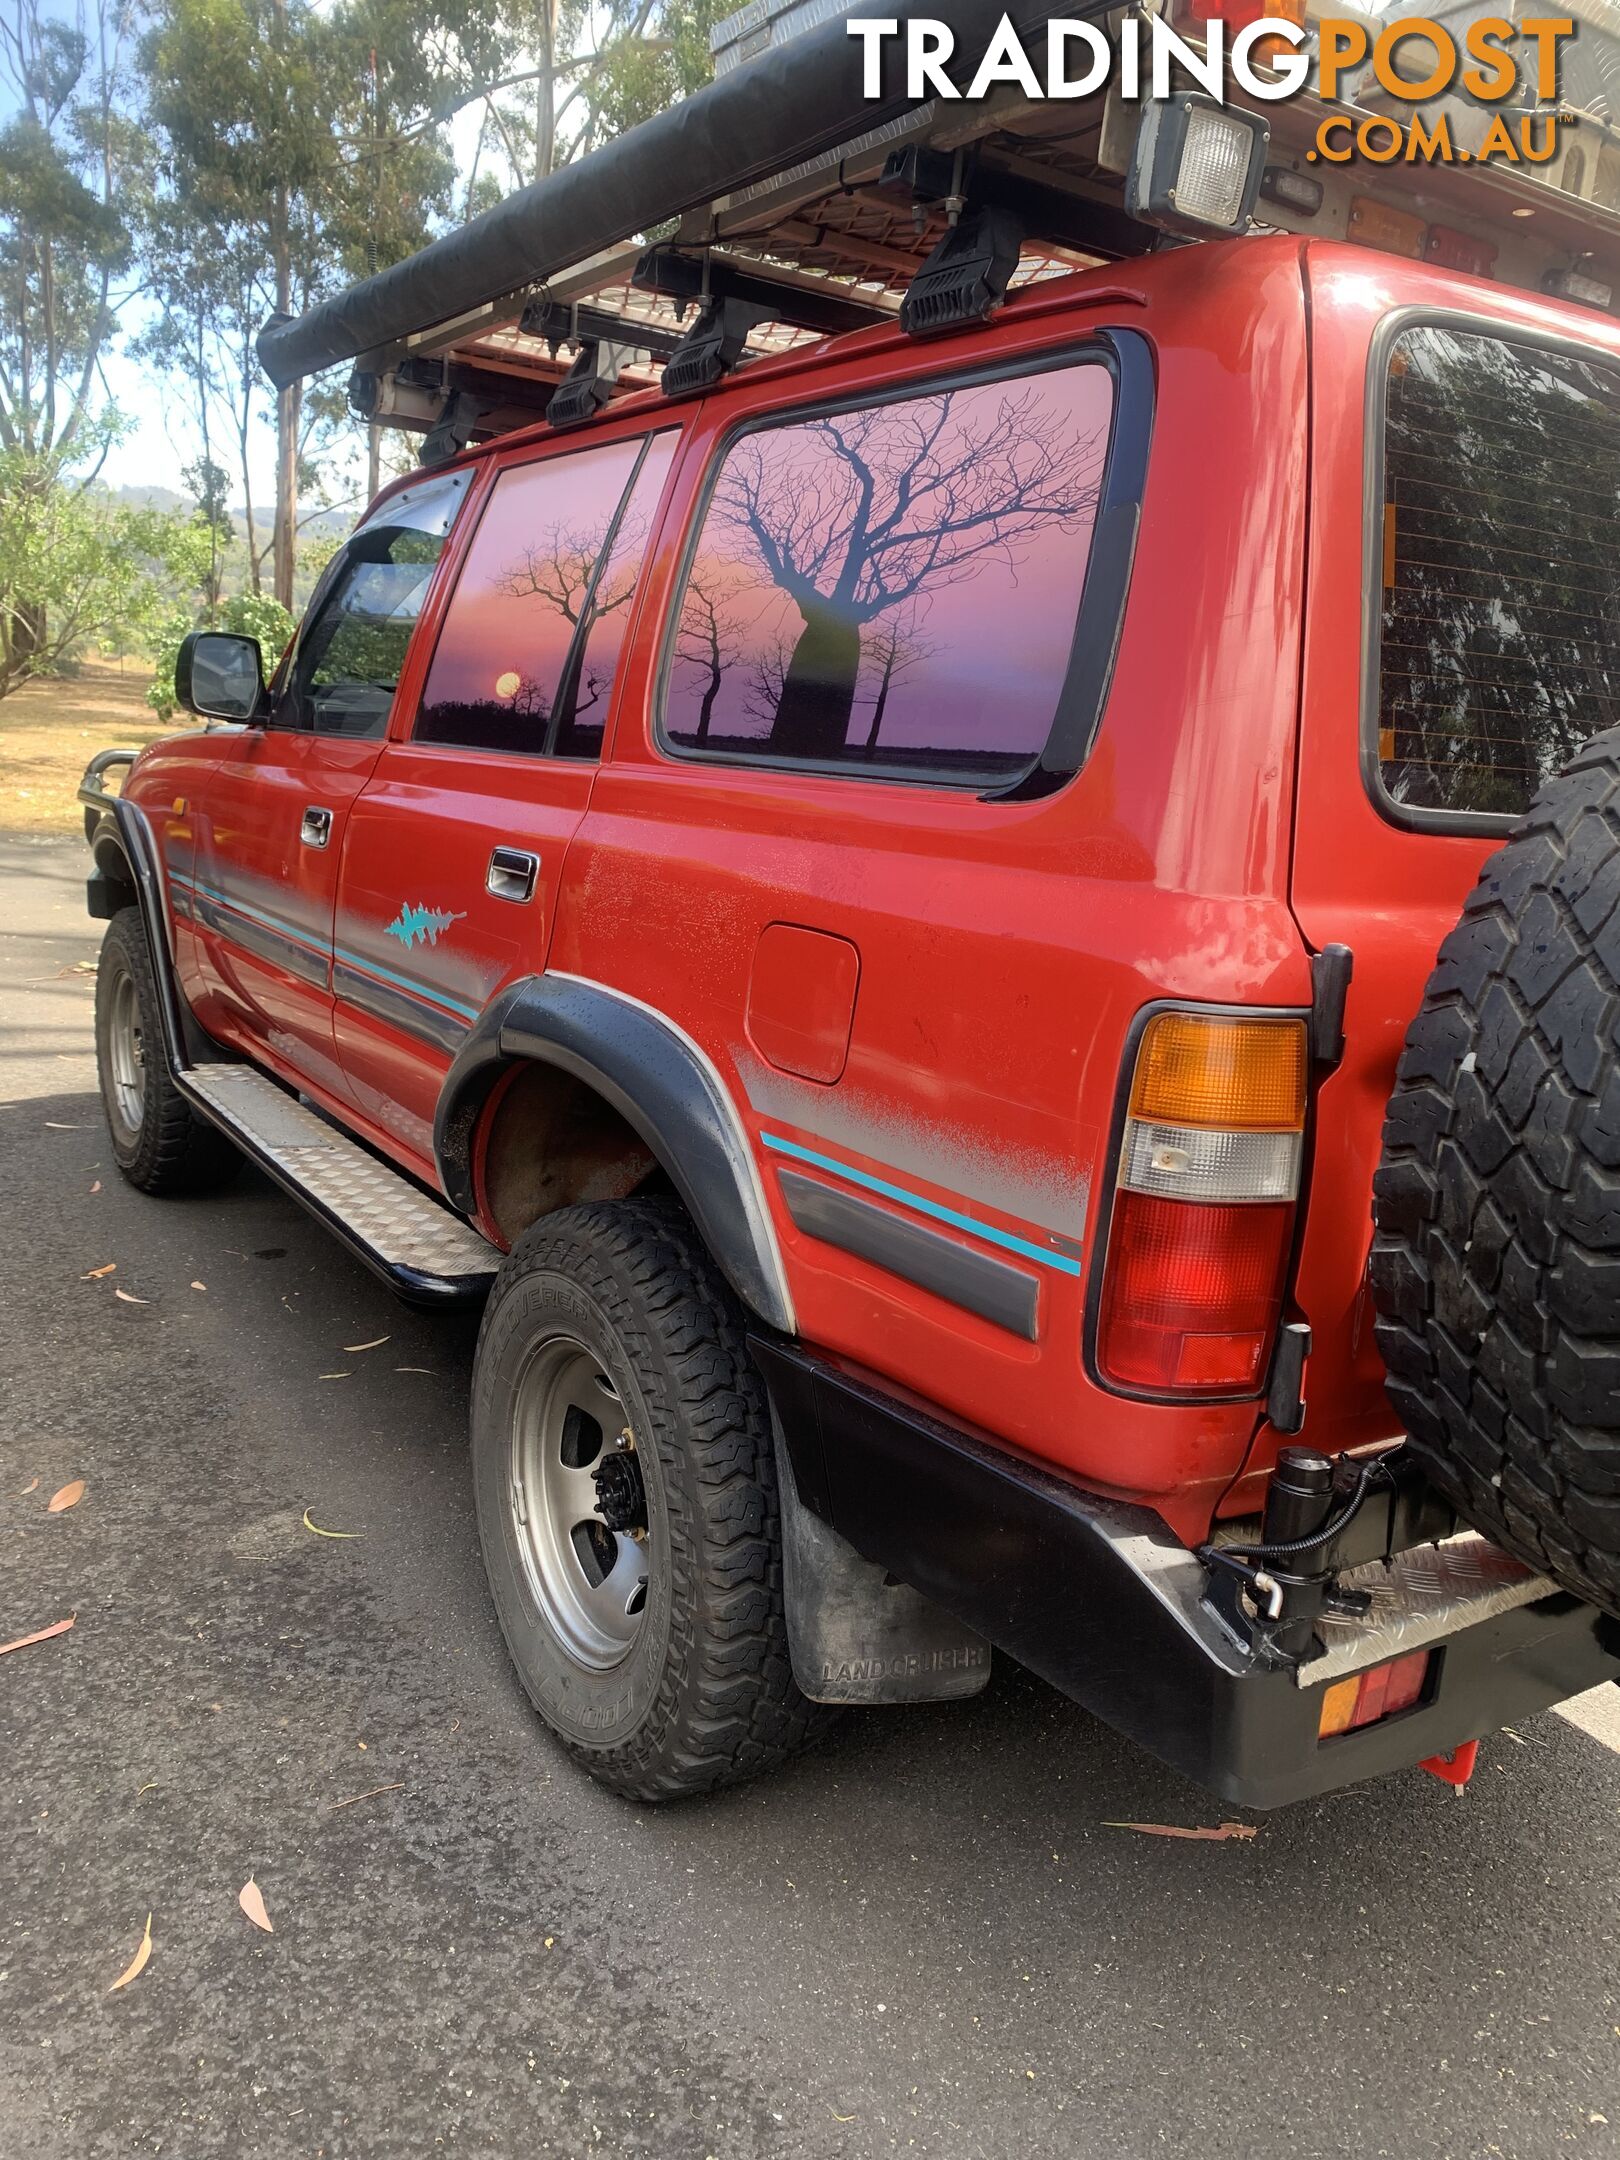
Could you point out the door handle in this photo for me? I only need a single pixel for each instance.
(315, 828)
(511, 875)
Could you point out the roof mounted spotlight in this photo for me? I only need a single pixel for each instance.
(1197, 166)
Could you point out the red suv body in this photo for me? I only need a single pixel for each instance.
(917, 937)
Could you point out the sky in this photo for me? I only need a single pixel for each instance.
(162, 435)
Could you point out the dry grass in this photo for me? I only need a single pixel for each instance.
(49, 731)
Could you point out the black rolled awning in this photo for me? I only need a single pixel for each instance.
(791, 103)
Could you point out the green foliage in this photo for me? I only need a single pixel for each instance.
(74, 181)
(253, 615)
(76, 570)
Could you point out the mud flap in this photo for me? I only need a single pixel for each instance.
(857, 1635)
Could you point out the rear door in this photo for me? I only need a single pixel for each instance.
(1456, 645)
(454, 853)
(272, 812)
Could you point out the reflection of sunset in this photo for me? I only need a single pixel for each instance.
(898, 583)
(507, 685)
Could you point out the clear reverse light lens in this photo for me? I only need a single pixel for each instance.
(1187, 1162)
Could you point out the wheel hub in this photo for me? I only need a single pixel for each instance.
(621, 1497)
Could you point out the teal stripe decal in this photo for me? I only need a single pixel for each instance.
(424, 993)
(1064, 1264)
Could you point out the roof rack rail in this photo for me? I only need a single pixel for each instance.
(832, 208)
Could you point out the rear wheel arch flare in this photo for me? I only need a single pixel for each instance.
(648, 1074)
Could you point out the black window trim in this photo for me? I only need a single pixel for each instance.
(1390, 329)
(574, 653)
(1128, 357)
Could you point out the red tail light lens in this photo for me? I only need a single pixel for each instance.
(1367, 1697)
(1192, 1295)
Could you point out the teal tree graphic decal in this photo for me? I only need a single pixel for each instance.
(418, 925)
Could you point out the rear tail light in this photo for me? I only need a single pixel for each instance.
(1367, 1697)
(1203, 1217)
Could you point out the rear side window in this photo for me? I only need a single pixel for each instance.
(1500, 630)
(893, 590)
(531, 640)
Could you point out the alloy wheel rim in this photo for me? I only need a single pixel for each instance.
(574, 1494)
(126, 1055)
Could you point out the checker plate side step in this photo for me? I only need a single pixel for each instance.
(421, 1249)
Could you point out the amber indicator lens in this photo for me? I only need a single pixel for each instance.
(1240, 1075)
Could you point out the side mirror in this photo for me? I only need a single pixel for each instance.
(220, 676)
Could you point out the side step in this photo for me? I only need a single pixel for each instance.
(420, 1248)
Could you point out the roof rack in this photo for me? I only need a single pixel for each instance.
(788, 207)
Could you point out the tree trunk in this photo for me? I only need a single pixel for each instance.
(288, 402)
(373, 460)
(818, 690)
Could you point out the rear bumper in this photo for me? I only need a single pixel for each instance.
(1101, 1601)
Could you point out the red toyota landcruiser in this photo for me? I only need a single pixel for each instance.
(869, 894)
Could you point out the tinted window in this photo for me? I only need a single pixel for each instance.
(526, 657)
(352, 646)
(1501, 568)
(894, 590)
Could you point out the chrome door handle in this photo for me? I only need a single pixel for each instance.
(316, 827)
(511, 875)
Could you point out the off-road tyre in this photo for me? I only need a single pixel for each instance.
(160, 1143)
(704, 1696)
(1496, 1255)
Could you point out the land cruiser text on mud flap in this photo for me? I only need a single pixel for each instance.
(859, 863)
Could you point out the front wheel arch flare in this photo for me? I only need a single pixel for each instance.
(663, 1086)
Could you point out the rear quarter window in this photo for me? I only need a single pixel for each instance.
(1499, 629)
(892, 590)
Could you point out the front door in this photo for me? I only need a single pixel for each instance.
(271, 817)
(454, 852)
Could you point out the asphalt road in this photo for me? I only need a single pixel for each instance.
(924, 1938)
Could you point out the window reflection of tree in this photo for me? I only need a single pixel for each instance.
(858, 519)
(1499, 649)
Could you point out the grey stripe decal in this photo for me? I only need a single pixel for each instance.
(973, 1280)
(259, 938)
(442, 1029)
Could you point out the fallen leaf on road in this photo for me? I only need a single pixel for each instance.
(96, 1187)
(334, 1376)
(44, 1634)
(348, 1347)
(427, 1369)
(137, 1964)
(96, 1273)
(130, 1298)
(68, 1496)
(319, 1532)
(1161, 1829)
(151, 1785)
(251, 1899)
(31, 1485)
(199, 1286)
(52, 1126)
(355, 1799)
